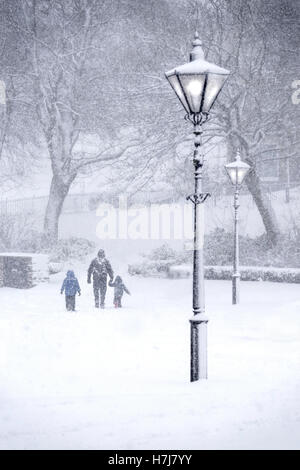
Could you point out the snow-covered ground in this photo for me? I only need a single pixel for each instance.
(119, 379)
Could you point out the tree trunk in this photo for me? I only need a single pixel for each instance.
(58, 192)
(264, 207)
(254, 186)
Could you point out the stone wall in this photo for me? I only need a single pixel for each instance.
(1, 272)
(23, 271)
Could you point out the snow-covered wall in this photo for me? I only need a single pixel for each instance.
(23, 270)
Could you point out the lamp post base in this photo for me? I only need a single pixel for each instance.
(236, 288)
(198, 347)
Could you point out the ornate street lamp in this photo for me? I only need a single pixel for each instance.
(197, 85)
(237, 172)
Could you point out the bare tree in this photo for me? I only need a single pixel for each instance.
(61, 42)
(254, 111)
(97, 68)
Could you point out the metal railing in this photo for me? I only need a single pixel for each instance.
(87, 202)
(74, 203)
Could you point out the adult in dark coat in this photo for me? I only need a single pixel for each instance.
(99, 268)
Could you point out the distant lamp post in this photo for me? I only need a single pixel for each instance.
(237, 172)
(197, 85)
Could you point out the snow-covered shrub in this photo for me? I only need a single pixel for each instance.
(16, 233)
(254, 273)
(71, 248)
(218, 251)
(33, 242)
(248, 273)
(164, 252)
(63, 250)
(180, 272)
(150, 268)
(55, 268)
(218, 247)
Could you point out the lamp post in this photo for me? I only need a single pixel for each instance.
(197, 85)
(237, 172)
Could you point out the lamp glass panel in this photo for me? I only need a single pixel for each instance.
(193, 86)
(174, 82)
(241, 173)
(232, 173)
(214, 85)
(236, 174)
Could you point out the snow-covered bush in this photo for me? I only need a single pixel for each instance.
(150, 268)
(55, 268)
(164, 252)
(15, 230)
(33, 242)
(158, 262)
(17, 234)
(71, 248)
(63, 250)
(218, 251)
(254, 273)
(218, 247)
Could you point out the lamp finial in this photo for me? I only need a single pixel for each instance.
(197, 51)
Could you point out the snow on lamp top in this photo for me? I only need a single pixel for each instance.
(237, 170)
(197, 83)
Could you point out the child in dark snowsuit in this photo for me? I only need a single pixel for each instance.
(70, 287)
(119, 290)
